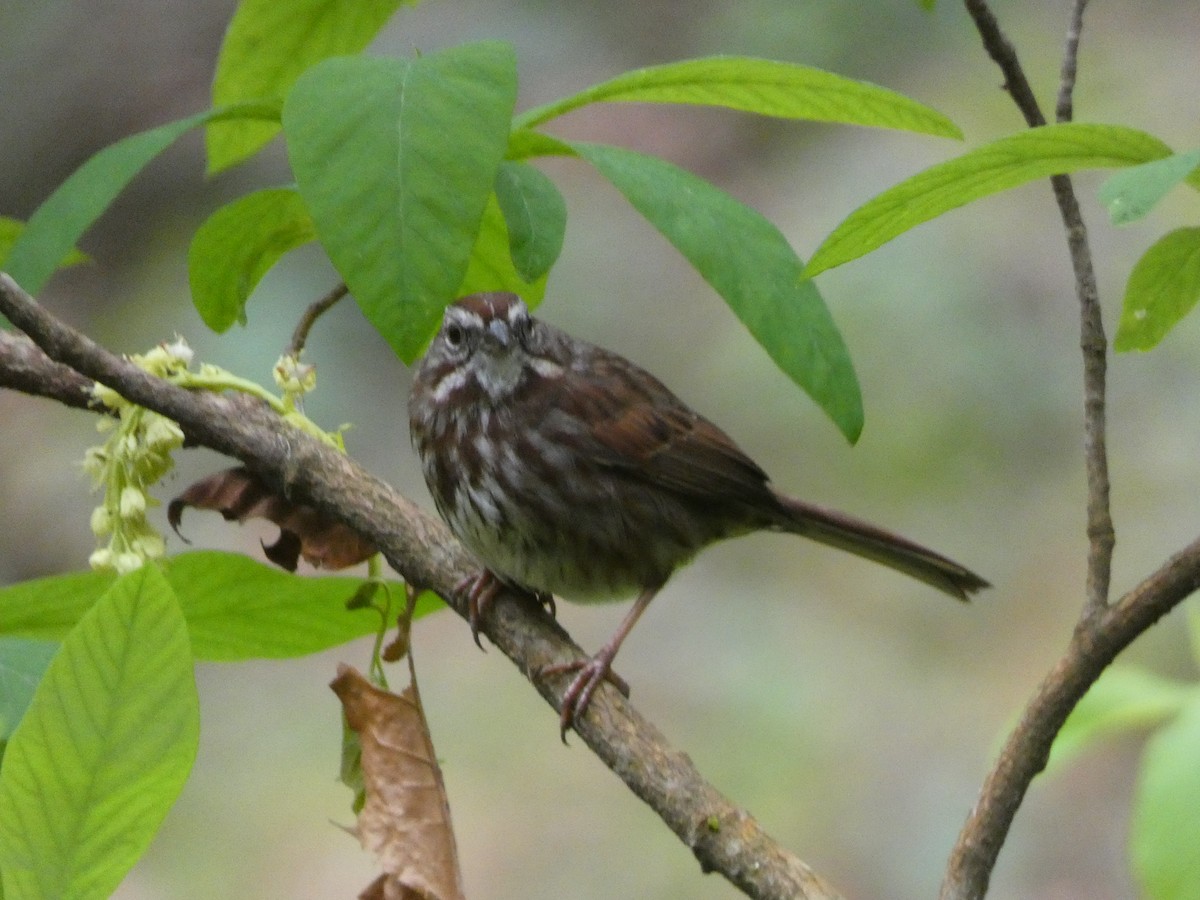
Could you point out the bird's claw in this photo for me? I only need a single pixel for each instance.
(481, 589)
(590, 673)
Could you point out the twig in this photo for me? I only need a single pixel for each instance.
(723, 837)
(314, 312)
(1001, 50)
(1100, 634)
(1064, 108)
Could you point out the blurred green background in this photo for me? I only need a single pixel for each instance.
(855, 712)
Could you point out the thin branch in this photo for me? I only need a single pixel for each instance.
(1102, 631)
(314, 312)
(723, 837)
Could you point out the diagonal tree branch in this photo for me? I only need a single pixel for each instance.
(724, 837)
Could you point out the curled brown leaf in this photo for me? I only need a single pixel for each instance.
(405, 820)
(238, 495)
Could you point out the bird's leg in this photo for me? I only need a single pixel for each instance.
(481, 589)
(590, 673)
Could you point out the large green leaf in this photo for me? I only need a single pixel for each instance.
(762, 86)
(1124, 699)
(1002, 164)
(267, 46)
(235, 608)
(396, 160)
(1131, 194)
(751, 265)
(1166, 811)
(104, 748)
(1163, 287)
(56, 226)
(237, 245)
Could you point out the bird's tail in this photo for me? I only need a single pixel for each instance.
(872, 542)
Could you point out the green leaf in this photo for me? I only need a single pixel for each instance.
(104, 748)
(10, 230)
(751, 265)
(761, 86)
(267, 46)
(1166, 811)
(47, 608)
(22, 663)
(236, 608)
(1163, 287)
(525, 143)
(235, 248)
(535, 215)
(1123, 699)
(1002, 164)
(239, 609)
(1131, 194)
(56, 226)
(491, 267)
(396, 160)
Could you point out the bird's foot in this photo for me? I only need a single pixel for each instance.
(589, 674)
(480, 591)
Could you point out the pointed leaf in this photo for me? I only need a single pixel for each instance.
(104, 748)
(535, 215)
(762, 86)
(1163, 287)
(235, 608)
(1002, 164)
(10, 230)
(524, 143)
(751, 265)
(1124, 699)
(491, 267)
(396, 160)
(1131, 194)
(267, 46)
(1166, 811)
(238, 245)
(56, 226)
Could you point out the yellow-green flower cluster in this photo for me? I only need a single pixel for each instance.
(135, 455)
(294, 379)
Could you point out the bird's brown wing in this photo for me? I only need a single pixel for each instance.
(639, 427)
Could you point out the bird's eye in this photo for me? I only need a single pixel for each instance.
(454, 335)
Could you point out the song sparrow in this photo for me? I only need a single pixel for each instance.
(566, 469)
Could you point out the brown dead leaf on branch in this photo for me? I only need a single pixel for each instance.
(406, 818)
(238, 494)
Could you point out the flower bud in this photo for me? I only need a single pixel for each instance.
(133, 503)
(101, 560)
(101, 522)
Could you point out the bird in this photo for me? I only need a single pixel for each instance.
(566, 469)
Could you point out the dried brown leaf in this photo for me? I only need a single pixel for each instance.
(238, 494)
(406, 818)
